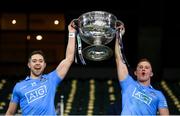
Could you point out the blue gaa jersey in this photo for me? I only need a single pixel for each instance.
(140, 100)
(36, 96)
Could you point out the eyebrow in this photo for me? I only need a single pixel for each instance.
(37, 59)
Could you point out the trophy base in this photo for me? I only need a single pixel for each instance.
(97, 52)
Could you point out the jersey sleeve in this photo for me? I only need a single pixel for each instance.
(53, 76)
(126, 82)
(162, 101)
(15, 95)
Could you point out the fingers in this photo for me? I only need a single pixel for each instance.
(75, 22)
(121, 29)
(72, 26)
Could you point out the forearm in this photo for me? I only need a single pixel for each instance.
(65, 64)
(8, 113)
(70, 51)
(122, 69)
(11, 109)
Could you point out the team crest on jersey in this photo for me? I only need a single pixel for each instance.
(141, 96)
(35, 94)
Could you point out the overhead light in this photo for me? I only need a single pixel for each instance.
(13, 21)
(28, 37)
(39, 37)
(56, 22)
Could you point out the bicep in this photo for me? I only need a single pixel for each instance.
(122, 71)
(12, 108)
(63, 68)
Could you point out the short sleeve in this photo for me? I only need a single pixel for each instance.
(15, 96)
(126, 82)
(53, 76)
(162, 101)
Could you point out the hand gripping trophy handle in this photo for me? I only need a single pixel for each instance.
(79, 44)
(119, 33)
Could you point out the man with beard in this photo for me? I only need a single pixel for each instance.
(36, 93)
(138, 97)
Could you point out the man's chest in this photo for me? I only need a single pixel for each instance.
(32, 91)
(143, 95)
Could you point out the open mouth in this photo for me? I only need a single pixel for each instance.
(143, 73)
(37, 68)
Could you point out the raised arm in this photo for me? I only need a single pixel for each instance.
(65, 64)
(11, 109)
(122, 69)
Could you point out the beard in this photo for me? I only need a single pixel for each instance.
(36, 73)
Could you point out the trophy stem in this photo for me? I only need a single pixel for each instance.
(97, 41)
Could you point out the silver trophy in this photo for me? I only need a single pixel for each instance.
(97, 29)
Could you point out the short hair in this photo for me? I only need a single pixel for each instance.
(37, 52)
(144, 60)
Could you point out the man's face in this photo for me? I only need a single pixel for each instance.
(36, 65)
(144, 71)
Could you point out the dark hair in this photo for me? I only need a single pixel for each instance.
(37, 52)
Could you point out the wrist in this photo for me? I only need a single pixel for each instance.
(71, 34)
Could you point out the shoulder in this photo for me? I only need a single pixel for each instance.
(158, 92)
(19, 85)
(128, 82)
(50, 74)
(20, 82)
(23, 81)
(128, 78)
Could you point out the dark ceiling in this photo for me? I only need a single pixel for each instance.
(62, 5)
(146, 11)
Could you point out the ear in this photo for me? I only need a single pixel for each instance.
(151, 74)
(44, 65)
(135, 73)
(28, 65)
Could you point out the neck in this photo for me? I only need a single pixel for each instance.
(35, 77)
(145, 83)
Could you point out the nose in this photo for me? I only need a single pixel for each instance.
(37, 63)
(143, 68)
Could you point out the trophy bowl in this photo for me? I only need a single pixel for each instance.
(97, 29)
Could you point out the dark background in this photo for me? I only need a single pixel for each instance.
(151, 28)
(152, 31)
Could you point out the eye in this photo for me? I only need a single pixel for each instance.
(41, 61)
(140, 67)
(33, 61)
(147, 67)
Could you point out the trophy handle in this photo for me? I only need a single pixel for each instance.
(80, 50)
(76, 23)
(120, 31)
(79, 45)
